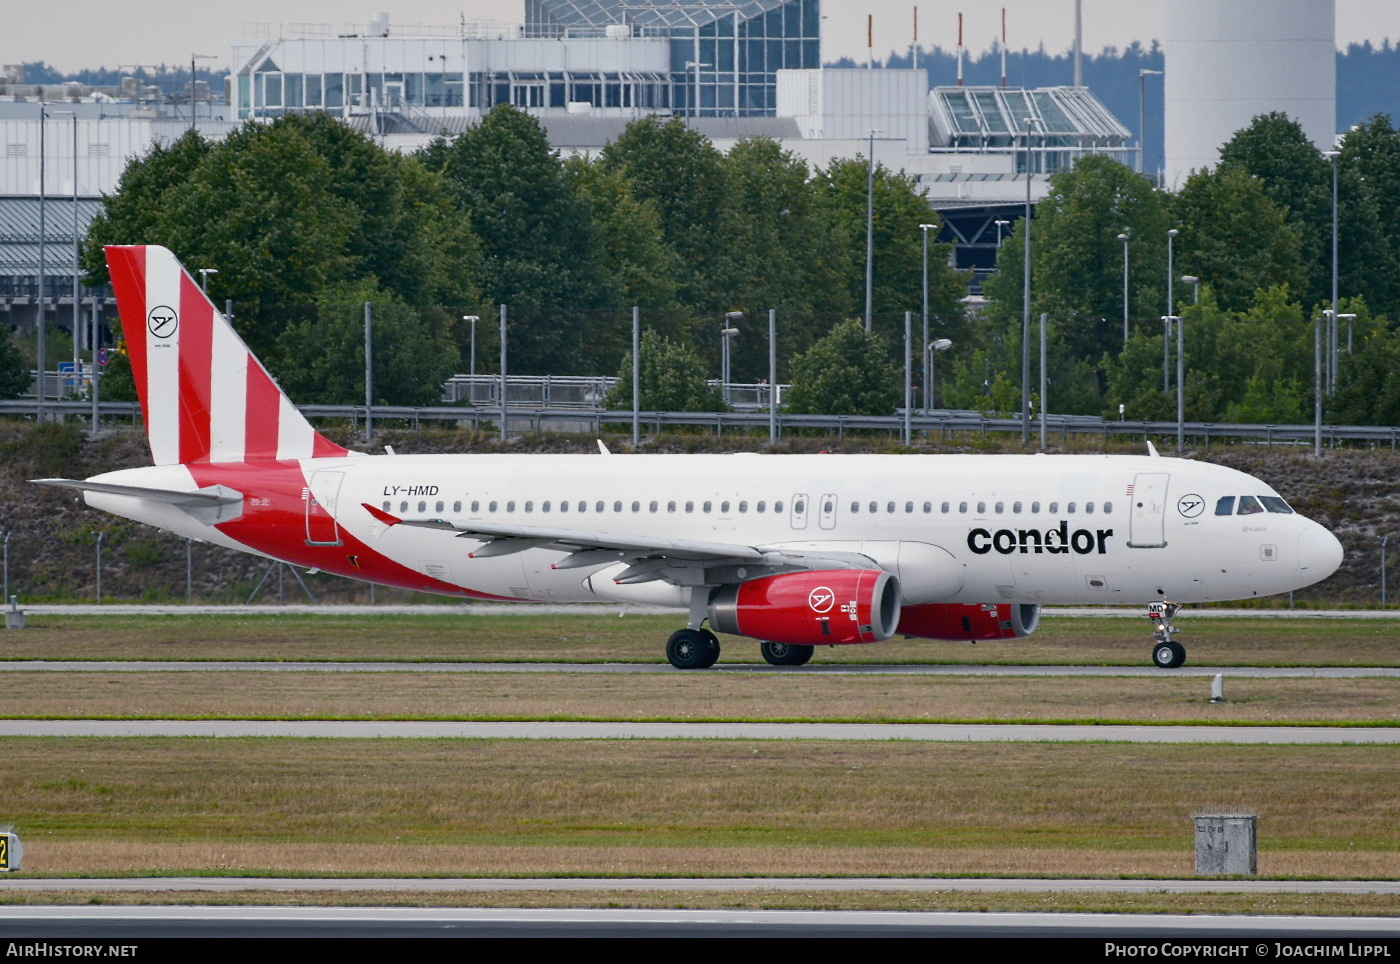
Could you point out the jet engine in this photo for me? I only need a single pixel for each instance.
(970, 621)
(821, 607)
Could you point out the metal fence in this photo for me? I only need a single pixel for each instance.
(946, 425)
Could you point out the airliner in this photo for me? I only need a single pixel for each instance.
(795, 551)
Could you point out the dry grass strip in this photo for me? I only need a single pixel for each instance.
(508, 807)
(688, 697)
(641, 639)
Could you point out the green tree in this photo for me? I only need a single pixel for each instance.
(672, 379)
(849, 372)
(321, 358)
(1235, 239)
(681, 174)
(1297, 178)
(14, 367)
(1369, 242)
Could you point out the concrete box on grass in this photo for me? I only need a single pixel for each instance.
(1226, 843)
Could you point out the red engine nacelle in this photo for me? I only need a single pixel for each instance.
(970, 621)
(818, 608)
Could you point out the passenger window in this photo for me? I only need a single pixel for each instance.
(510, 506)
(1035, 508)
(827, 507)
(962, 506)
(422, 507)
(529, 505)
(1001, 507)
(760, 505)
(439, 507)
(1070, 508)
(582, 506)
(705, 507)
(670, 507)
(1107, 508)
(944, 508)
(874, 507)
(1089, 507)
(598, 506)
(492, 507)
(1016, 507)
(652, 507)
(855, 507)
(617, 506)
(778, 506)
(889, 507)
(563, 505)
(799, 506)
(1274, 504)
(545, 507)
(743, 506)
(456, 507)
(636, 506)
(908, 507)
(928, 507)
(981, 508)
(386, 505)
(690, 507)
(1054, 506)
(1249, 505)
(724, 507)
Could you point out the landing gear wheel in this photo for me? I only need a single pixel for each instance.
(1168, 655)
(785, 654)
(692, 649)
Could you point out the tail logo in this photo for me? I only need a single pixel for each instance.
(163, 321)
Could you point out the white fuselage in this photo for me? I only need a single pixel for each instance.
(959, 528)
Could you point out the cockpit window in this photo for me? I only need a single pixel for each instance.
(1225, 505)
(1274, 504)
(1249, 505)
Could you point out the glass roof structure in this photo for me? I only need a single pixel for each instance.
(641, 13)
(995, 118)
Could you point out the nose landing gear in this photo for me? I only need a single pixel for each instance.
(1167, 653)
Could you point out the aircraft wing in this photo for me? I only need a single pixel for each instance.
(648, 558)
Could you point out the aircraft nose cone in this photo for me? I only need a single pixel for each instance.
(1319, 552)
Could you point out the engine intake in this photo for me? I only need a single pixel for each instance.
(821, 607)
(970, 621)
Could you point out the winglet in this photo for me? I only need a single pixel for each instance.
(380, 515)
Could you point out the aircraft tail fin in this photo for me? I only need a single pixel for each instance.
(205, 397)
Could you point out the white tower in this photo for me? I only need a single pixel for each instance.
(1228, 62)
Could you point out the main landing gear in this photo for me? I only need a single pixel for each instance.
(1167, 653)
(786, 654)
(692, 649)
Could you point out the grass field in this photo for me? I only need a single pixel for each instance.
(691, 808)
(779, 696)
(688, 808)
(596, 638)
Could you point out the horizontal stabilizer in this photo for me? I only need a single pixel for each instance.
(213, 503)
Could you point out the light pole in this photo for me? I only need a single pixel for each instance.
(727, 332)
(1334, 157)
(43, 237)
(1143, 74)
(870, 228)
(1317, 387)
(1180, 378)
(695, 89)
(1195, 283)
(931, 350)
(472, 320)
(1125, 238)
(1337, 351)
(1001, 224)
(204, 274)
(1031, 123)
(924, 228)
(1171, 313)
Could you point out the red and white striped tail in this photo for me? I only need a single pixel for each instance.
(205, 397)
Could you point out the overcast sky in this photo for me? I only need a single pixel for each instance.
(94, 33)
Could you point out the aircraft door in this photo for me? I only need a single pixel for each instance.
(798, 513)
(1148, 511)
(827, 507)
(321, 527)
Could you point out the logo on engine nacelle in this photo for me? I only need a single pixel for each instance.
(821, 599)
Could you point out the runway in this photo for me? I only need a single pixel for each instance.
(665, 669)
(918, 732)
